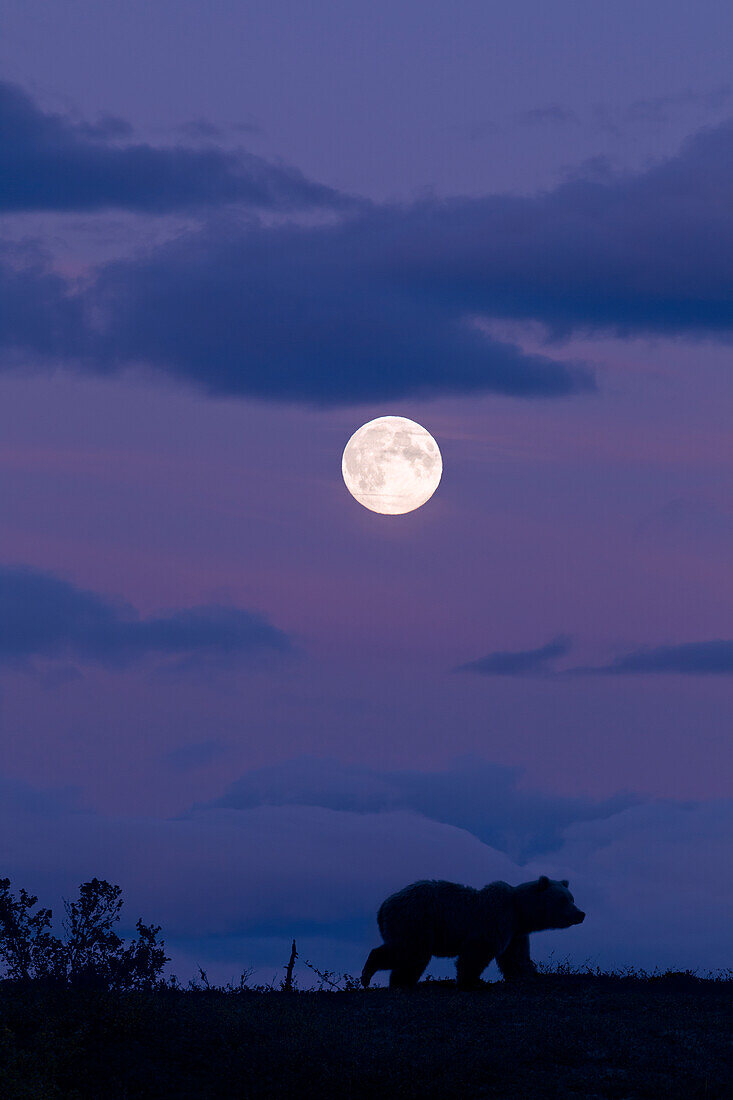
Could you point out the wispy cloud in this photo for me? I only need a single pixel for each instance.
(520, 662)
(50, 162)
(43, 617)
(713, 658)
(709, 658)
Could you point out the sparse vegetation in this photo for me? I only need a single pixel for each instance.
(91, 954)
(571, 1032)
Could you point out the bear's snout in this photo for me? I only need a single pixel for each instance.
(579, 917)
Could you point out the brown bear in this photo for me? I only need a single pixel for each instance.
(448, 920)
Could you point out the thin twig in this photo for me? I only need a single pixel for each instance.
(288, 983)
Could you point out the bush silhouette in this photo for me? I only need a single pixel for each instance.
(91, 954)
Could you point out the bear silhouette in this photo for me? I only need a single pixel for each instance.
(474, 926)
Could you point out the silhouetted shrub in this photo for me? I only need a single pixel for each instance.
(91, 954)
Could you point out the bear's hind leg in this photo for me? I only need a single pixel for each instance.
(515, 961)
(470, 964)
(381, 958)
(407, 971)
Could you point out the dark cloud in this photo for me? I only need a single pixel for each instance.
(44, 617)
(317, 314)
(385, 302)
(484, 799)
(49, 162)
(650, 252)
(519, 662)
(713, 658)
(688, 658)
(41, 314)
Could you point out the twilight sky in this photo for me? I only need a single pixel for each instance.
(230, 234)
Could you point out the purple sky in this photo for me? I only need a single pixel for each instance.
(230, 235)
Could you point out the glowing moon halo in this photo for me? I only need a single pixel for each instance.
(392, 465)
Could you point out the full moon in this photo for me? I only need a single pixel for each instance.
(392, 465)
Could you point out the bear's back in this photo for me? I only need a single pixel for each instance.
(442, 916)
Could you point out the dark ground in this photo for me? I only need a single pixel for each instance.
(560, 1037)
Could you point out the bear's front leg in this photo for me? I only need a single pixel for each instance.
(471, 963)
(515, 961)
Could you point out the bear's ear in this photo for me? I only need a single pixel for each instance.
(543, 882)
(564, 882)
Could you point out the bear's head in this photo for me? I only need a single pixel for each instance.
(546, 904)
